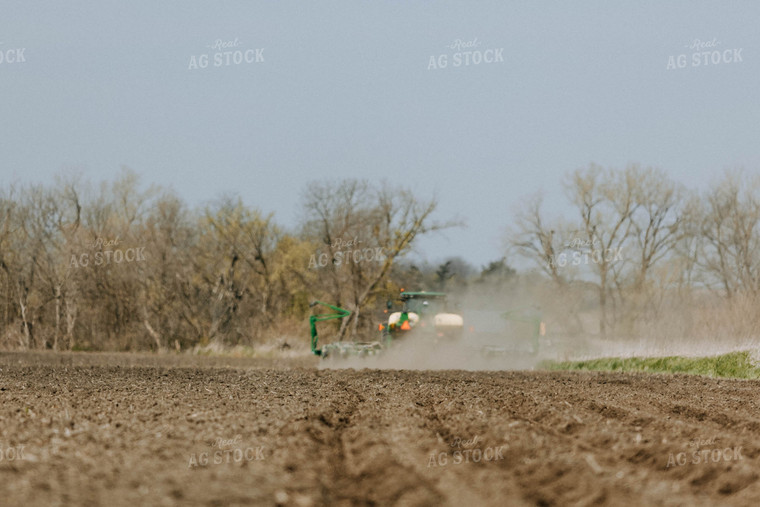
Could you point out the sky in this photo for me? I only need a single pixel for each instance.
(326, 90)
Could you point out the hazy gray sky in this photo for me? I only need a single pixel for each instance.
(346, 89)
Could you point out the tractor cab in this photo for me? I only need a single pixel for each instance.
(423, 303)
(424, 313)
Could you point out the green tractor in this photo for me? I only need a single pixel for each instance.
(423, 314)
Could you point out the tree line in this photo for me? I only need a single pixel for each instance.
(648, 255)
(115, 266)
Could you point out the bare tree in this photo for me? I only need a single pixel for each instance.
(539, 241)
(657, 221)
(731, 234)
(606, 202)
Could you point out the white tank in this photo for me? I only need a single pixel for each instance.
(448, 320)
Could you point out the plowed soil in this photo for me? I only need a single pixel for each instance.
(98, 429)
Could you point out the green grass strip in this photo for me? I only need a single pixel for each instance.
(734, 365)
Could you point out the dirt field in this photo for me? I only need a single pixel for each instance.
(102, 429)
